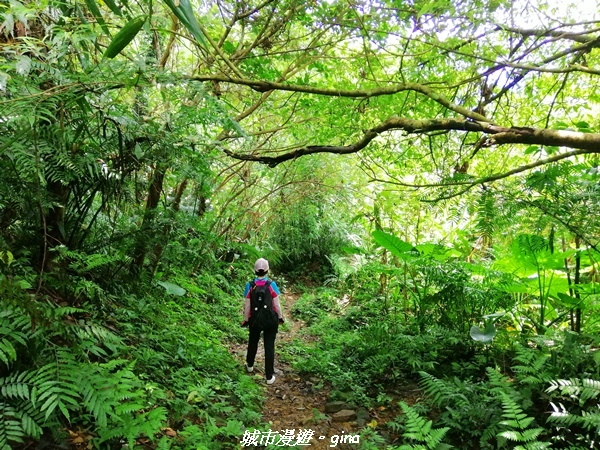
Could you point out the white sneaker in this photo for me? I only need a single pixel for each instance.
(249, 368)
(271, 380)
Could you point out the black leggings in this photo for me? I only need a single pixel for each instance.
(269, 341)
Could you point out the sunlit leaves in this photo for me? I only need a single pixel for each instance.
(395, 245)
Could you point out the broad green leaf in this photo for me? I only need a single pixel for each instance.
(437, 251)
(113, 7)
(395, 245)
(486, 335)
(172, 288)
(7, 257)
(560, 125)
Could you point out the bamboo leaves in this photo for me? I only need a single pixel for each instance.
(113, 7)
(124, 37)
(184, 12)
(95, 10)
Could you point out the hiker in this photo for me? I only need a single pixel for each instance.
(262, 313)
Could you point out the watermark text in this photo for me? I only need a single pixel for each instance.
(293, 437)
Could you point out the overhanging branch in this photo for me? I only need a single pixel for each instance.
(265, 86)
(496, 135)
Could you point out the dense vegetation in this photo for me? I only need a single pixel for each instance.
(425, 172)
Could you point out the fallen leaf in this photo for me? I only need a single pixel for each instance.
(170, 432)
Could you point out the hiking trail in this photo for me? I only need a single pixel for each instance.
(300, 403)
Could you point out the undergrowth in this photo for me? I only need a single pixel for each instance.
(533, 393)
(139, 367)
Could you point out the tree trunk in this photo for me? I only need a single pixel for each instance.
(577, 321)
(145, 234)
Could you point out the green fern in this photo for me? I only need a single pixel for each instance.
(32, 419)
(585, 389)
(441, 392)
(533, 367)
(581, 392)
(11, 430)
(68, 385)
(56, 385)
(518, 424)
(421, 431)
(14, 328)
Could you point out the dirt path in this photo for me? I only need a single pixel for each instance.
(294, 402)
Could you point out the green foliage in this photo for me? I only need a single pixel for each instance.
(470, 408)
(307, 235)
(315, 306)
(184, 12)
(126, 387)
(518, 426)
(486, 335)
(69, 386)
(576, 411)
(420, 432)
(125, 228)
(532, 367)
(14, 332)
(398, 248)
(124, 36)
(380, 352)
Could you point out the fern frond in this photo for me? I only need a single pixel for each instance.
(437, 390)
(32, 419)
(489, 433)
(441, 392)
(57, 385)
(586, 388)
(515, 418)
(533, 366)
(518, 423)
(501, 384)
(420, 430)
(15, 329)
(17, 385)
(10, 428)
(591, 419)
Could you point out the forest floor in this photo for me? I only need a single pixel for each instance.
(300, 403)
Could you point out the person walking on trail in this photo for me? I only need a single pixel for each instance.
(262, 314)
